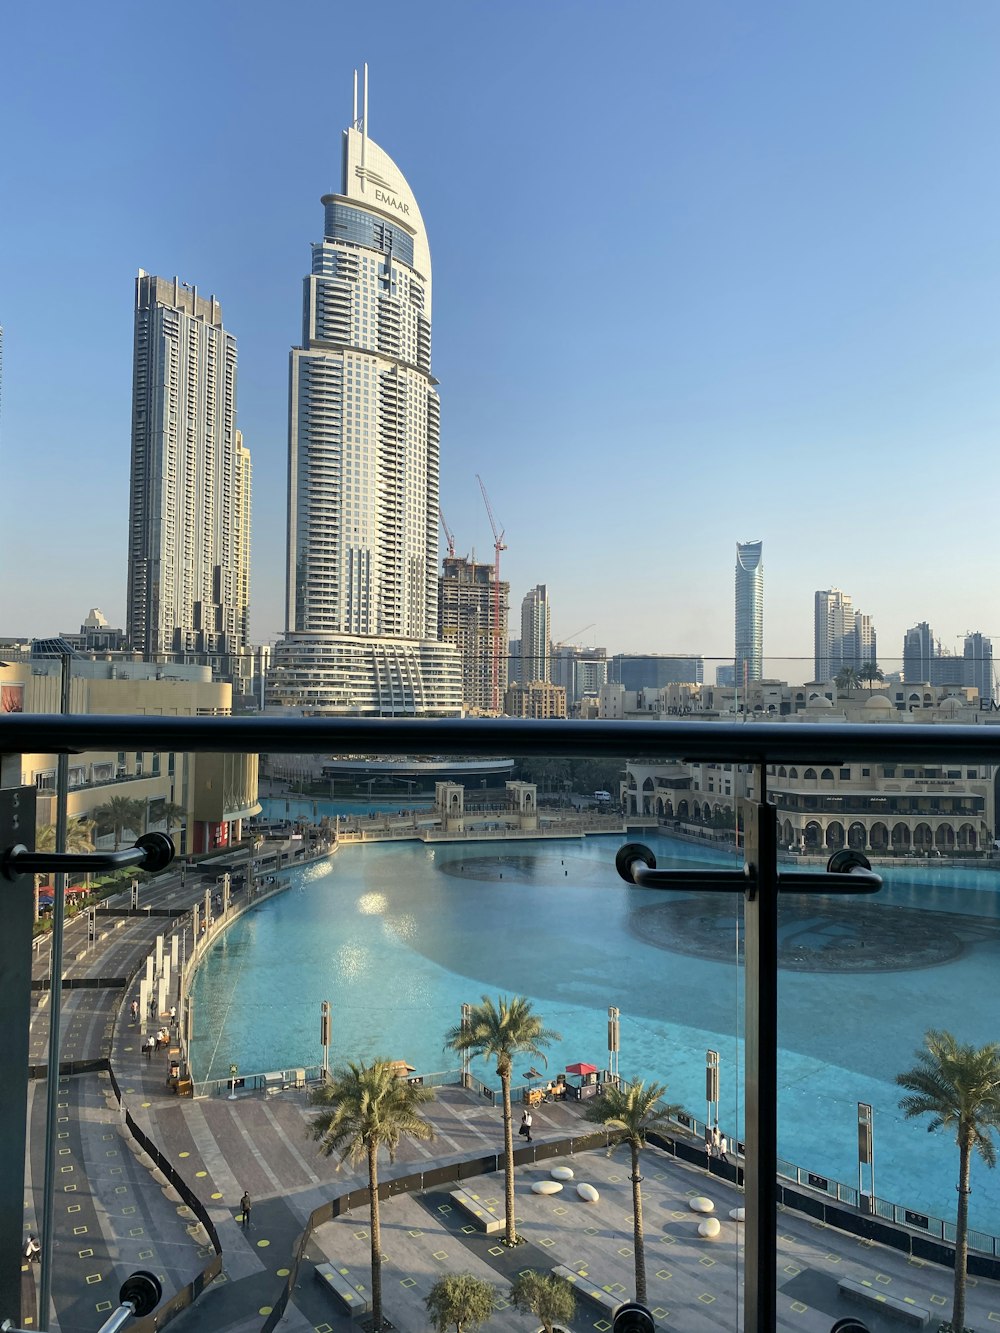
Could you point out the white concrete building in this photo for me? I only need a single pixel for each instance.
(363, 466)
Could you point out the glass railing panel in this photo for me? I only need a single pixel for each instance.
(423, 905)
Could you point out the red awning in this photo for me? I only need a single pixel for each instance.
(581, 1068)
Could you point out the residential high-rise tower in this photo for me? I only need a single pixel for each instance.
(361, 630)
(536, 636)
(749, 658)
(188, 555)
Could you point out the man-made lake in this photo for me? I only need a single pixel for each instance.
(398, 936)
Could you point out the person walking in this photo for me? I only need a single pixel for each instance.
(716, 1139)
(135, 1011)
(723, 1148)
(709, 1140)
(525, 1129)
(245, 1206)
(149, 1045)
(32, 1249)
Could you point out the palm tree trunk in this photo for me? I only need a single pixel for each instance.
(640, 1244)
(962, 1229)
(376, 1234)
(508, 1151)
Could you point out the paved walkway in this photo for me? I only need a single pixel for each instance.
(114, 1212)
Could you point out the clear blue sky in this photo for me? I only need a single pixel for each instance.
(702, 273)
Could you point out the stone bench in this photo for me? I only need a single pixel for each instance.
(486, 1218)
(607, 1300)
(864, 1292)
(351, 1295)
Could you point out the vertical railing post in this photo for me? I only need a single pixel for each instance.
(761, 981)
(17, 826)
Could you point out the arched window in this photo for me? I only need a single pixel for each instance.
(810, 773)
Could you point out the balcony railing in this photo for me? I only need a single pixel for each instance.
(757, 744)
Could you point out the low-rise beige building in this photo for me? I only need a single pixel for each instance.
(215, 792)
(884, 809)
(537, 699)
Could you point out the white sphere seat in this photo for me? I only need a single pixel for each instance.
(546, 1187)
(699, 1204)
(587, 1193)
(738, 1214)
(710, 1228)
(562, 1173)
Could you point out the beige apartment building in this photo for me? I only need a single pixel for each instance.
(215, 792)
(537, 699)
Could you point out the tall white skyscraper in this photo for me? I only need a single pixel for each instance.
(361, 631)
(188, 553)
(749, 657)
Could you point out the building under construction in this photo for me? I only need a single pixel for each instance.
(466, 609)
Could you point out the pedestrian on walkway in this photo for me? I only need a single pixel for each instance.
(149, 1046)
(525, 1129)
(709, 1139)
(173, 1016)
(135, 1011)
(723, 1148)
(32, 1249)
(245, 1206)
(716, 1139)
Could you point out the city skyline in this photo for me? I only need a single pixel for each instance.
(872, 340)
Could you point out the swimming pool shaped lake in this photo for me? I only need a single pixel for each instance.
(398, 936)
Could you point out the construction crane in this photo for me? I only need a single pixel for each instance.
(449, 534)
(572, 638)
(498, 546)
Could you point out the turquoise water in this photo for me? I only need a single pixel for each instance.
(398, 936)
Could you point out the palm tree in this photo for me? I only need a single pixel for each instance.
(365, 1108)
(501, 1031)
(958, 1086)
(118, 814)
(871, 672)
(628, 1114)
(79, 838)
(173, 814)
(847, 679)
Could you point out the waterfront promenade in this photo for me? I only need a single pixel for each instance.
(115, 1212)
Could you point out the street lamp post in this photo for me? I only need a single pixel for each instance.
(325, 1027)
(233, 1071)
(614, 1040)
(711, 1086)
(466, 1057)
(866, 1157)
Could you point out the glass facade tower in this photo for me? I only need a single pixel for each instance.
(361, 633)
(749, 660)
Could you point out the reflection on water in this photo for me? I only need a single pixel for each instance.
(397, 937)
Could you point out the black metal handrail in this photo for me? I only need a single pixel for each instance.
(724, 742)
(152, 852)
